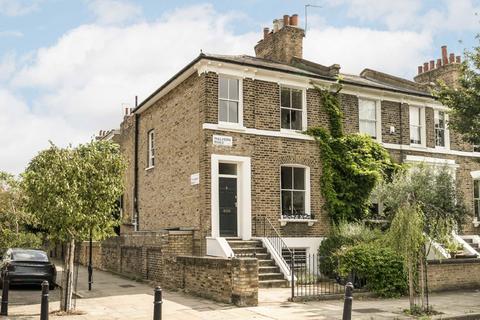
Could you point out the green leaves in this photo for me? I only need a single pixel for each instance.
(351, 165)
(73, 190)
(464, 100)
(379, 265)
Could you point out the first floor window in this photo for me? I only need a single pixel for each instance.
(291, 105)
(440, 128)
(228, 99)
(476, 197)
(416, 125)
(293, 192)
(151, 149)
(367, 114)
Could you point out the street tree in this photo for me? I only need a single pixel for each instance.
(422, 203)
(72, 192)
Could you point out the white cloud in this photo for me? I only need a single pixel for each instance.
(18, 7)
(80, 82)
(395, 52)
(114, 11)
(68, 91)
(458, 15)
(11, 33)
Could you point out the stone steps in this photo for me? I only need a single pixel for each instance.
(269, 275)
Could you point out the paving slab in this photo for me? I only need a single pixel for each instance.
(117, 297)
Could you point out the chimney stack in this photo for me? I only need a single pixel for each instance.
(284, 42)
(448, 66)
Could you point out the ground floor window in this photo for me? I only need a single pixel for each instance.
(294, 192)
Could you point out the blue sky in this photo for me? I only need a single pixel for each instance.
(67, 67)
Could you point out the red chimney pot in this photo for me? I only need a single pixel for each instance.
(439, 63)
(452, 58)
(425, 67)
(458, 59)
(432, 64)
(420, 69)
(294, 20)
(286, 20)
(444, 55)
(265, 32)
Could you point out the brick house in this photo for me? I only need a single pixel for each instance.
(220, 144)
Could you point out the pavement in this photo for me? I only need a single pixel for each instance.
(116, 297)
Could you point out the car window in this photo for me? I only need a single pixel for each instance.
(30, 255)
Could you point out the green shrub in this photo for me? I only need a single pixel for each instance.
(343, 234)
(379, 265)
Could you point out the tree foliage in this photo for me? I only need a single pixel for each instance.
(433, 191)
(72, 191)
(16, 225)
(351, 164)
(464, 100)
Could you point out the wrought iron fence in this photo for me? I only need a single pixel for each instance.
(310, 281)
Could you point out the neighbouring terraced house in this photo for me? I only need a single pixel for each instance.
(218, 148)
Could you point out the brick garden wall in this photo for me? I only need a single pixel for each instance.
(454, 274)
(166, 258)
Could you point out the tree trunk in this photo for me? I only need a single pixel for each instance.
(422, 280)
(67, 279)
(411, 288)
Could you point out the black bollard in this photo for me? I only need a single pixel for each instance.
(44, 303)
(157, 304)
(347, 305)
(5, 288)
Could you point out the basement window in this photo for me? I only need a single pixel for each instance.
(292, 109)
(299, 256)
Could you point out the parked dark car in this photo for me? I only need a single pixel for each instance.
(27, 266)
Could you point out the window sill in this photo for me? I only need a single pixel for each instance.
(231, 126)
(310, 222)
(418, 146)
(149, 168)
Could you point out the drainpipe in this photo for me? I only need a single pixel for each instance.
(135, 172)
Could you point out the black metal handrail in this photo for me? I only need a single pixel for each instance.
(265, 228)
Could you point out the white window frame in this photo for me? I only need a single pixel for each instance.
(447, 131)
(304, 107)
(151, 149)
(423, 131)
(378, 117)
(227, 124)
(476, 198)
(307, 189)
